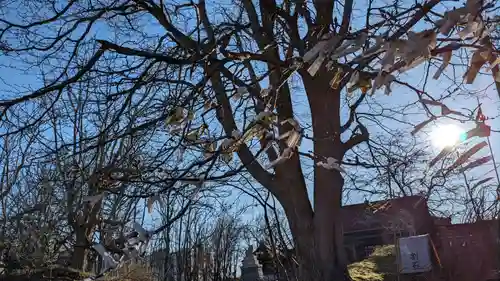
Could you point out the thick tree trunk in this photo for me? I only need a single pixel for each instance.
(84, 228)
(317, 234)
(315, 263)
(300, 218)
(329, 260)
(79, 258)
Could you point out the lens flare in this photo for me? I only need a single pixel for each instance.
(446, 135)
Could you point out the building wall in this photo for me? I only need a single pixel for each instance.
(383, 222)
(469, 252)
(466, 252)
(410, 213)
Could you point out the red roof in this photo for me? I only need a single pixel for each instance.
(365, 216)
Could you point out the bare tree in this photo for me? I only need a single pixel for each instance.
(204, 244)
(221, 85)
(401, 167)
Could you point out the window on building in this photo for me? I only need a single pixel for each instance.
(402, 234)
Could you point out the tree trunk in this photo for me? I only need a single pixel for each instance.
(84, 227)
(323, 251)
(300, 218)
(314, 262)
(79, 258)
(317, 234)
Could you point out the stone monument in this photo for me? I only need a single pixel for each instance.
(251, 270)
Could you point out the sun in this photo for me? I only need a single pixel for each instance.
(445, 135)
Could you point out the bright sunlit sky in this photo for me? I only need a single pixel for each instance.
(440, 134)
(446, 135)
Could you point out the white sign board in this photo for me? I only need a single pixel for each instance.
(414, 254)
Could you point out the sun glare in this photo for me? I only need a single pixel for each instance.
(446, 135)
